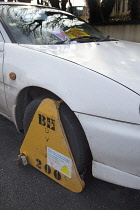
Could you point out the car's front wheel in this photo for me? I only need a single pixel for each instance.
(73, 130)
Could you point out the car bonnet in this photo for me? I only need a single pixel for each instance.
(117, 60)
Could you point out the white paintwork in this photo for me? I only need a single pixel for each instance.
(71, 82)
(118, 60)
(114, 144)
(3, 105)
(100, 83)
(115, 176)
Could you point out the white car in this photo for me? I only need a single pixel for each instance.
(48, 53)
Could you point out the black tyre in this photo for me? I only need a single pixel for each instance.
(73, 130)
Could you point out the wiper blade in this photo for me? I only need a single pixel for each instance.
(85, 38)
(67, 41)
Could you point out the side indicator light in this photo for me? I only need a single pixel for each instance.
(12, 76)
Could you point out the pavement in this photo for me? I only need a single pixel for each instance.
(25, 188)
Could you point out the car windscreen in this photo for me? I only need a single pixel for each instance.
(43, 26)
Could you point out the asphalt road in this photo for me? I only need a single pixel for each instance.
(25, 188)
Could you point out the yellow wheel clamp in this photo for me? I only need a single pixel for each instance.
(46, 147)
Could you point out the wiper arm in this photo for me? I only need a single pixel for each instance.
(107, 38)
(85, 37)
(79, 38)
(67, 41)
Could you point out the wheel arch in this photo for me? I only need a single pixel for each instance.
(27, 95)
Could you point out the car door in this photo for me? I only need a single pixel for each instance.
(3, 104)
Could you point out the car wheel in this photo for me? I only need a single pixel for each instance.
(73, 130)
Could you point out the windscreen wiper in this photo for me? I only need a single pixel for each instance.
(85, 37)
(80, 39)
(107, 38)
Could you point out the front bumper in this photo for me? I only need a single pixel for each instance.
(115, 147)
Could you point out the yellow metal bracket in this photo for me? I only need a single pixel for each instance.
(46, 147)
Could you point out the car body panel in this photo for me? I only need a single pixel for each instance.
(113, 59)
(40, 69)
(115, 148)
(3, 104)
(113, 143)
(113, 175)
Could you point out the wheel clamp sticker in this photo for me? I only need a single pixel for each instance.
(59, 162)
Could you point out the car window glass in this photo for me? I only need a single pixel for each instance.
(39, 25)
